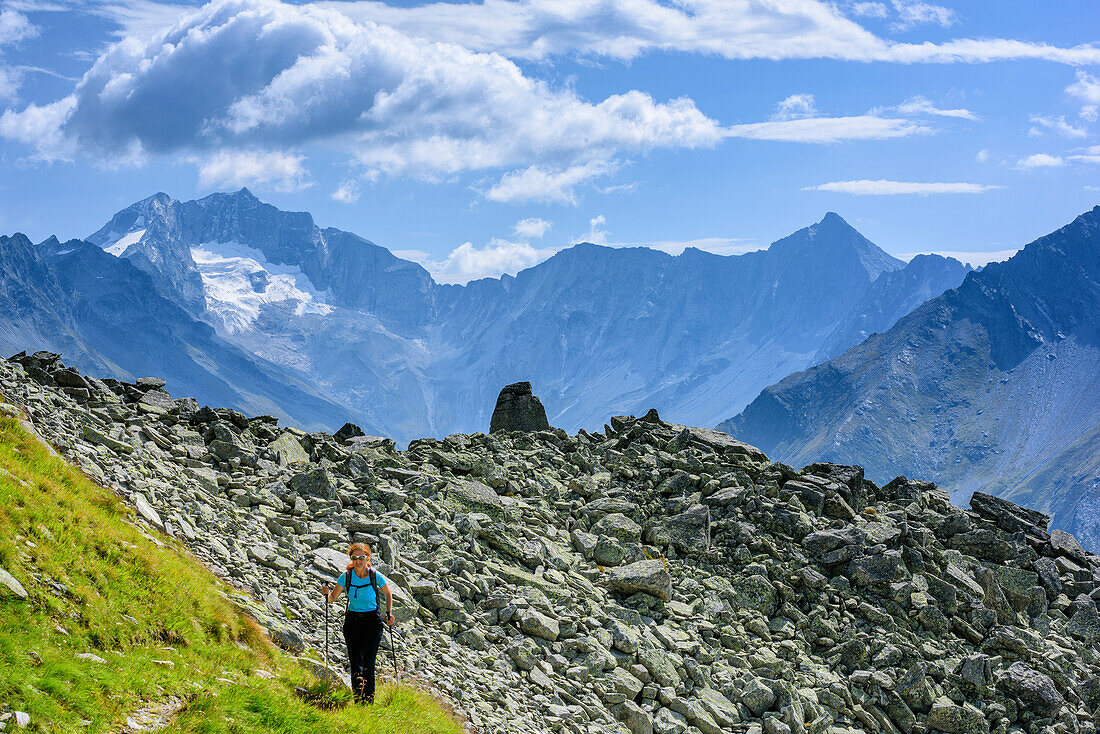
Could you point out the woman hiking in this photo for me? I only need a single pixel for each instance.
(363, 620)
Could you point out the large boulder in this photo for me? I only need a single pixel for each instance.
(517, 409)
(1035, 691)
(1008, 516)
(314, 483)
(650, 577)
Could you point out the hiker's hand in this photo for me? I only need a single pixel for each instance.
(326, 590)
(389, 620)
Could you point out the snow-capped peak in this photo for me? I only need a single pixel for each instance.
(122, 244)
(239, 282)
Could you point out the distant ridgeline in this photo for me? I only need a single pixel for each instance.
(240, 304)
(650, 577)
(993, 386)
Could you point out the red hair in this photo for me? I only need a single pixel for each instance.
(363, 549)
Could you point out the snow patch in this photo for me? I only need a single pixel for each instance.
(239, 282)
(119, 248)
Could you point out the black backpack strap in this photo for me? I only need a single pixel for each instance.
(347, 590)
(377, 601)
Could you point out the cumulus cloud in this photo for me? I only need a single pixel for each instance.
(795, 106)
(828, 129)
(531, 228)
(1040, 160)
(467, 262)
(883, 187)
(1086, 88)
(552, 186)
(1044, 123)
(236, 168)
(15, 27)
(39, 127)
(596, 233)
(923, 106)
(911, 14)
(733, 29)
(982, 155)
(261, 74)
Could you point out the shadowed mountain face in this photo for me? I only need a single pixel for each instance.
(993, 386)
(598, 331)
(104, 315)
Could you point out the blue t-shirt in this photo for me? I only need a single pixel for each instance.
(360, 593)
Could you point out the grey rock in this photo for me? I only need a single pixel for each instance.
(650, 577)
(1034, 690)
(952, 718)
(314, 483)
(539, 625)
(517, 409)
(10, 583)
(618, 526)
(757, 697)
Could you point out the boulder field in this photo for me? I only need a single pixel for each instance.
(646, 578)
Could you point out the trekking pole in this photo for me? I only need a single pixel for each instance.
(326, 636)
(393, 652)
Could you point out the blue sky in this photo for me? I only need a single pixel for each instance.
(480, 138)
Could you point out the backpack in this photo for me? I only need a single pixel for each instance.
(372, 582)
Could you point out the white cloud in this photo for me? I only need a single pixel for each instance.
(976, 259)
(733, 29)
(911, 14)
(868, 10)
(235, 168)
(715, 245)
(795, 106)
(261, 74)
(466, 262)
(39, 127)
(883, 187)
(15, 27)
(10, 81)
(828, 129)
(531, 228)
(1086, 88)
(539, 184)
(982, 156)
(346, 193)
(1040, 160)
(1090, 154)
(1057, 125)
(923, 106)
(596, 233)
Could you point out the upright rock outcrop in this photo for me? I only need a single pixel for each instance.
(517, 409)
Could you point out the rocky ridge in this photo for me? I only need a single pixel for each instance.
(649, 578)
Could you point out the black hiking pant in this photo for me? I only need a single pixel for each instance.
(363, 635)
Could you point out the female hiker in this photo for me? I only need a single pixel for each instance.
(363, 620)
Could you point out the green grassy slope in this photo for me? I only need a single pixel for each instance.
(160, 626)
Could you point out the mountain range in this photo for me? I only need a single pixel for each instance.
(351, 330)
(993, 386)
